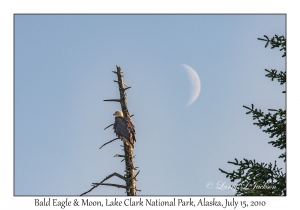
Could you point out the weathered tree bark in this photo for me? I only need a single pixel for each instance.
(129, 177)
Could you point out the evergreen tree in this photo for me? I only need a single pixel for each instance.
(255, 179)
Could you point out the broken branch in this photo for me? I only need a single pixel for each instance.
(108, 142)
(108, 126)
(106, 178)
(117, 155)
(136, 174)
(115, 185)
(116, 100)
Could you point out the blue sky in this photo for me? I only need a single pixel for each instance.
(62, 74)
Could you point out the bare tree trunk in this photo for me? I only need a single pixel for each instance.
(129, 177)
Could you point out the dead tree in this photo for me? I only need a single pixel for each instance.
(130, 176)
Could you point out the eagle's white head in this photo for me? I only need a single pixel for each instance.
(118, 113)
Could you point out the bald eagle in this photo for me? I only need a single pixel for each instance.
(123, 128)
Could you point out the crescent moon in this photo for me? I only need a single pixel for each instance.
(195, 82)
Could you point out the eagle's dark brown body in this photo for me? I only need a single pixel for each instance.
(124, 128)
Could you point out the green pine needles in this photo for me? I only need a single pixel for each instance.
(262, 179)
